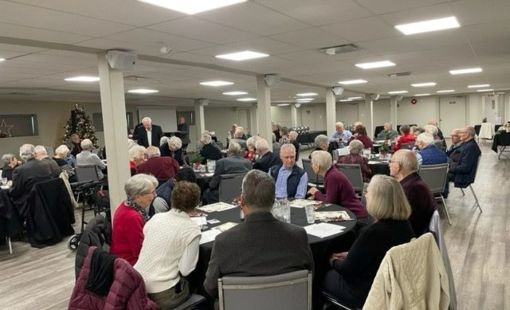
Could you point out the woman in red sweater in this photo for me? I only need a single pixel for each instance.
(130, 216)
(406, 137)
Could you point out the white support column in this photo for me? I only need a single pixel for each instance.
(199, 116)
(370, 125)
(254, 126)
(293, 115)
(330, 112)
(113, 107)
(394, 111)
(506, 103)
(264, 109)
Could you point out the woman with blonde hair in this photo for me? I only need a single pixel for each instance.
(353, 272)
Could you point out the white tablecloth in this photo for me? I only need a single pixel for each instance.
(486, 131)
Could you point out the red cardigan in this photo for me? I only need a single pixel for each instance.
(408, 138)
(163, 168)
(127, 235)
(339, 191)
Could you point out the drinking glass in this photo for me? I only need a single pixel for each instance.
(310, 214)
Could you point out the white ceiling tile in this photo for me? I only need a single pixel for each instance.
(31, 33)
(480, 11)
(387, 6)
(389, 46)
(311, 38)
(362, 29)
(418, 14)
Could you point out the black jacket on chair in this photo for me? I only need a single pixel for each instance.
(50, 213)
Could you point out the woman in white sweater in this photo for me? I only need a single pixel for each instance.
(170, 248)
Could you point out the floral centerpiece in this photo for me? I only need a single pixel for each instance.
(196, 160)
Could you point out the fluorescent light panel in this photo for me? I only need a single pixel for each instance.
(465, 71)
(82, 78)
(2, 59)
(445, 91)
(216, 83)
(283, 104)
(479, 85)
(421, 95)
(143, 91)
(306, 94)
(429, 25)
(352, 82)
(355, 98)
(247, 99)
(484, 90)
(244, 55)
(304, 99)
(396, 92)
(192, 6)
(376, 64)
(345, 100)
(427, 84)
(235, 93)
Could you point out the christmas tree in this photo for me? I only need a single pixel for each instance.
(80, 123)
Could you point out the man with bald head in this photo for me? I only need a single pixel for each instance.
(387, 133)
(147, 133)
(341, 135)
(404, 168)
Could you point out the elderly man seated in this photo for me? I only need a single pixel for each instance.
(463, 172)
(163, 168)
(404, 167)
(239, 137)
(26, 176)
(261, 245)
(209, 150)
(341, 135)
(267, 159)
(86, 158)
(10, 163)
(388, 133)
(456, 143)
(291, 181)
(429, 152)
(40, 153)
(232, 164)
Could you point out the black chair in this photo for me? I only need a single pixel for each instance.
(477, 204)
(353, 174)
(313, 177)
(230, 187)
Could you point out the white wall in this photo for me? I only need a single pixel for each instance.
(220, 121)
(425, 109)
(281, 116)
(347, 113)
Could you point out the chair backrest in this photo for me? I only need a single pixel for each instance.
(434, 176)
(312, 176)
(86, 173)
(289, 291)
(407, 146)
(230, 186)
(353, 174)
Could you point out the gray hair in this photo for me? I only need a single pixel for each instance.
(86, 145)
(406, 159)
(322, 159)
(26, 151)
(6, 158)
(234, 148)
(356, 147)
(293, 135)
(261, 145)
(425, 139)
(431, 129)
(339, 124)
(139, 184)
(174, 143)
(147, 119)
(152, 152)
(62, 150)
(206, 138)
(287, 146)
(40, 150)
(258, 191)
(471, 131)
(238, 134)
(163, 140)
(252, 141)
(321, 139)
(137, 152)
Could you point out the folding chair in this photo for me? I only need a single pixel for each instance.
(435, 176)
(353, 174)
(477, 204)
(313, 177)
(288, 291)
(230, 187)
(87, 173)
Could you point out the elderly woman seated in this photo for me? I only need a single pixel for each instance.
(136, 158)
(429, 153)
(354, 157)
(353, 272)
(86, 157)
(61, 154)
(360, 133)
(130, 217)
(172, 147)
(251, 151)
(434, 131)
(209, 150)
(170, 248)
(337, 188)
(9, 163)
(406, 138)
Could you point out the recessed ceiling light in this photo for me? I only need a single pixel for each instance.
(396, 92)
(351, 82)
(444, 91)
(479, 85)
(465, 71)
(355, 98)
(216, 83)
(244, 55)
(235, 93)
(345, 100)
(427, 84)
(82, 78)
(192, 6)
(2, 59)
(283, 104)
(484, 90)
(304, 99)
(429, 25)
(421, 95)
(143, 91)
(247, 99)
(306, 94)
(376, 64)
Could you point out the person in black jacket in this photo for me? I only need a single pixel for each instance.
(267, 159)
(10, 163)
(147, 133)
(353, 272)
(209, 150)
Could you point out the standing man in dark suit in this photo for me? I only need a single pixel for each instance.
(251, 248)
(147, 134)
(232, 164)
(183, 132)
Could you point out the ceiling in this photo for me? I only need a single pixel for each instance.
(45, 41)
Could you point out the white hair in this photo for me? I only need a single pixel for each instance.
(62, 150)
(147, 119)
(206, 138)
(431, 129)
(234, 148)
(293, 135)
(163, 140)
(261, 145)
(153, 151)
(322, 159)
(86, 144)
(287, 146)
(174, 143)
(425, 139)
(137, 152)
(40, 150)
(26, 151)
(139, 184)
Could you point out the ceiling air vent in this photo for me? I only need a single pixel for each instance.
(339, 49)
(398, 74)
